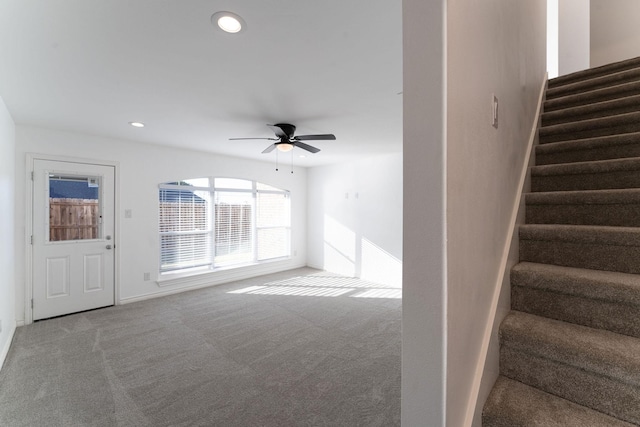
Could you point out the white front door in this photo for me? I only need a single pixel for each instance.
(73, 246)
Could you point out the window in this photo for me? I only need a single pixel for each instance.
(220, 222)
(74, 207)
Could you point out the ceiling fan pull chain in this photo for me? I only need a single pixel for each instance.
(291, 161)
(276, 160)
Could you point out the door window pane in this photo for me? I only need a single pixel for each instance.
(74, 208)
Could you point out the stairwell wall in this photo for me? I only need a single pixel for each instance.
(615, 34)
(7, 226)
(494, 47)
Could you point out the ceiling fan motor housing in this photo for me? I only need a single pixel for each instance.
(287, 129)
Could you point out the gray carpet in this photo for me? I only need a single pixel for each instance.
(300, 348)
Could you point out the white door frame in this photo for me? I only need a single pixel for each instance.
(28, 288)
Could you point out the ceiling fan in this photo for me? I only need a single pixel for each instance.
(285, 140)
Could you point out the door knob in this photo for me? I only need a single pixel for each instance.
(108, 246)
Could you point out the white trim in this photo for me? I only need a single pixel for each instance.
(7, 345)
(488, 329)
(30, 158)
(28, 254)
(213, 279)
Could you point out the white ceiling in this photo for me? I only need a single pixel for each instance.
(92, 66)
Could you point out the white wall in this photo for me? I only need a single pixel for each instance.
(141, 168)
(493, 47)
(424, 239)
(7, 226)
(355, 219)
(615, 32)
(573, 36)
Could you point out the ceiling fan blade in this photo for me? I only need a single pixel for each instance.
(325, 137)
(306, 146)
(238, 139)
(278, 131)
(269, 149)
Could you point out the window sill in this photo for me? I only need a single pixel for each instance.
(198, 276)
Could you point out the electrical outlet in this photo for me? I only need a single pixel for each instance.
(0, 325)
(127, 213)
(147, 277)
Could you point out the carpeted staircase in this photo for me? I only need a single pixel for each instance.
(570, 348)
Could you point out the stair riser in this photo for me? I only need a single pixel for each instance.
(586, 388)
(587, 155)
(624, 259)
(583, 131)
(615, 317)
(587, 98)
(595, 181)
(570, 116)
(618, 215)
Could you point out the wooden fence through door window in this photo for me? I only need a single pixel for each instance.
(73, 219)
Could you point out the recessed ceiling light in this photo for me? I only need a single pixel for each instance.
(137, 124)
(228, 22)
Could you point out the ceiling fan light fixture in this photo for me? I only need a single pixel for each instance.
(228, 22)
(284, 147)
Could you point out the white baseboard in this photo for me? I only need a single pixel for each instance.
(7, 345)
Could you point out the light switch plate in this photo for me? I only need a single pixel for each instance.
(494, 111)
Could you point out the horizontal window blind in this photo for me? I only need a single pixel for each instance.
(185, 231)
(234, 227)
(273, 225)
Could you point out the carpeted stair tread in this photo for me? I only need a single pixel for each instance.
(608, 108)
(591, 128)
(590, 149)
(612, 79)
(613, 207)
(595, 72)
(590, 175)
(592, 367)
(593, 96)
(514, 404)
(588, 197)
(598, 299)
(602, 235)
(582, 246)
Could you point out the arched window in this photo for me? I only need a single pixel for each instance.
(206, 223)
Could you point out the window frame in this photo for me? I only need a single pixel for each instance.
(211, 241)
